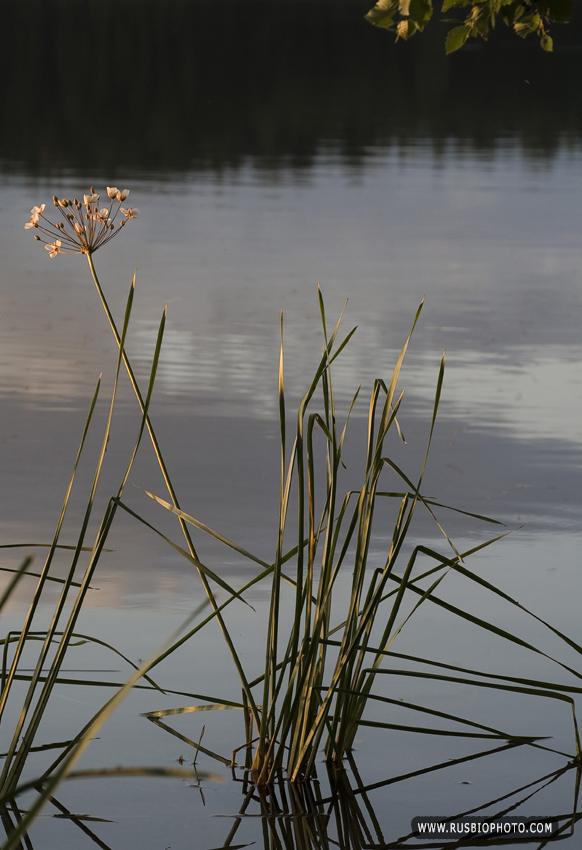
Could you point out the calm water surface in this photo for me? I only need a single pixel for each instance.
(491, 239)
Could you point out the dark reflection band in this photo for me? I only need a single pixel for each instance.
(111, 86)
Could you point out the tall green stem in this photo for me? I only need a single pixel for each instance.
(172, 493)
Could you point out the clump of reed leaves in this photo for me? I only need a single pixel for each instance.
(319, 675)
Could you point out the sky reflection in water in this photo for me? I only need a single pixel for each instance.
(498, 258)
(484, 222)
(492, 245)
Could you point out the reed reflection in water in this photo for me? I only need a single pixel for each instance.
(346, 813)
(340, 809)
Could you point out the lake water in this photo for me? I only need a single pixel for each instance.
(387, 175)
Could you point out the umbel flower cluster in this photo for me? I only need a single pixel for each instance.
(85, 227)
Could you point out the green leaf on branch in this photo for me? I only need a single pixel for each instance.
(482, 27)
(527, 25)
(420, 11)
(559, 11)
(413, 14)
(449, 4)
(405, 29)
(382, 15)
(456, 38)
(512, 13)
(526, 17)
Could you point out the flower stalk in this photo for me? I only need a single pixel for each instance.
(85, 229)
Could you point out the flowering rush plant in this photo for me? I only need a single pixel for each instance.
(85, 227)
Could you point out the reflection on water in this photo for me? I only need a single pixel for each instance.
(339, 808)
(305, 818)
(231, 374)
(493, 246)
(182, 84)
(299, 145)
(498, 390)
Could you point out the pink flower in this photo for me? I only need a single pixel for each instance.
(54, 249)
(84, 227)
(130, 213)
(35, 214)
